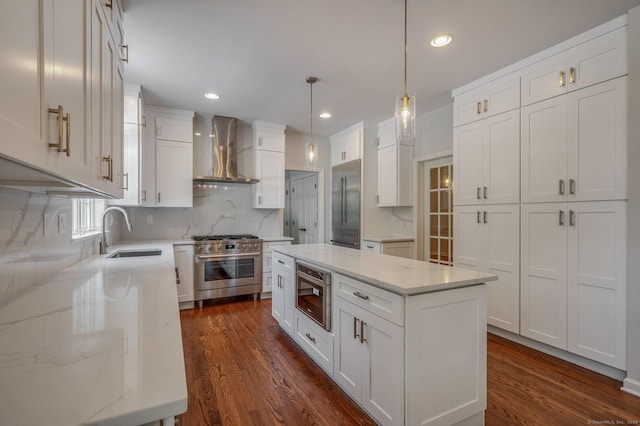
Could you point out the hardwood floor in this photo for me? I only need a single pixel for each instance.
(242, 369)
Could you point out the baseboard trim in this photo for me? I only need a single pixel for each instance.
(589, 364)
(631, 386)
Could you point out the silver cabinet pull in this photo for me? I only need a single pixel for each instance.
(362, 339)
(109, 160)
(125, 178)
(177, 276)
(355, 328)
(478, 192)
(560, 217)
(484, 216)
(484, 192)
(313, 339)
(478, 217)
(144, 195)
(281, 262)
(360, 295)
(572, 186)
(561, 187)
(572, 218)
(124, 48)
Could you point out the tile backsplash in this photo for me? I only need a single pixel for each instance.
(27, 256)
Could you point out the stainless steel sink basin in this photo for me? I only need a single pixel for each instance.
(135, 253)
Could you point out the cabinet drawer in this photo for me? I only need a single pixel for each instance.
(372, 246)
(284, 263)
(315, 341)
(267, 282)
(382, 303)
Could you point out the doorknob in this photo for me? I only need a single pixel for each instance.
(302, 229)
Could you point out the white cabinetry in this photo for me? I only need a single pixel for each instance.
(486, 157)
(392, 248)
(574, 278)
(167, 158)
(395, 164)
(574, 147)
(183, 257)
(488, 240)
(316, 341)
(347, 145)
(594, 61)
(267, 263)
(283, 292)
(485, 101)
(268, 155)
(369, 356)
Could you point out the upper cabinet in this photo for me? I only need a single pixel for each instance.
(63, 99)
(488, 100)
(268, 165)
(591, 62)
(395, 163)
(347, 145)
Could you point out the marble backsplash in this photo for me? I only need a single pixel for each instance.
(214, 211)
(27, 257)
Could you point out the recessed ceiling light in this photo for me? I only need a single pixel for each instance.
(325, 115)
(212, 95)
(441, 40)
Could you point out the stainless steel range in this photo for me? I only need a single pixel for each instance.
(227, 265)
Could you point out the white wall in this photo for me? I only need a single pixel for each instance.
(632, 382)
(434, 131)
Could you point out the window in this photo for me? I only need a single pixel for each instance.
(440, 248)
(87, 213)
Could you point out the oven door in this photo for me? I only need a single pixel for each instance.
(312, 299)
(216, 271)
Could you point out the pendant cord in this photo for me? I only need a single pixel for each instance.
(405, 48)
(311, 113)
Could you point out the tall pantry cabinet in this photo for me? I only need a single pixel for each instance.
(573, 173)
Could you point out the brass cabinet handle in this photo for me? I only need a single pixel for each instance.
(485, 105)
(108, 4)
(123, 48)
(572, 75)
(360, 295)
(572, 186)
(562, 82)
(67, 118)
(109, 160)
(313, 339)
(572, 218)
(362, 339)
(478, 109)
(355, 328)
(561, 187)
(560, 217)
(61, 119)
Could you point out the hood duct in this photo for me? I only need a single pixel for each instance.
(225, 158)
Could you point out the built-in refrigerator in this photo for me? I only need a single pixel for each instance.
(345, 204)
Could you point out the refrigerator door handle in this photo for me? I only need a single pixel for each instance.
(343, 202)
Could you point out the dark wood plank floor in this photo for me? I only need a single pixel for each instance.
(242, 369)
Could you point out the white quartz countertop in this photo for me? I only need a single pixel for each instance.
(397, 274)
(279, 238)
(100, 343)
(388, 239)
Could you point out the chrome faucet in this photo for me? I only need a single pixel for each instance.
(103, 243)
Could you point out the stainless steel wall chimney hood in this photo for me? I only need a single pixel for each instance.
(225, 161)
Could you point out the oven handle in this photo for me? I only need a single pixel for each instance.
(312, 280)
(229, 255)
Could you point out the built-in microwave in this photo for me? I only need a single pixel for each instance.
(313, 294)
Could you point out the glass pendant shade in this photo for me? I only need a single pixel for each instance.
(406, 118)
(311, 156)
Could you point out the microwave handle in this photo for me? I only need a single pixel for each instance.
(218, 256)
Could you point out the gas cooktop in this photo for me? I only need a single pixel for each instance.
(224, 237)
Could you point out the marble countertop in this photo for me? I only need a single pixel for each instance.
(100, 343)
(397, 274)
(388, 239)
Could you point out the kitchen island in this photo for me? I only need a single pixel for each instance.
(98, 344)
(407, 339)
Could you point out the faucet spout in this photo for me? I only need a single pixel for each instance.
(103, 242)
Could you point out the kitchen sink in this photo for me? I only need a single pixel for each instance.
(135, 253)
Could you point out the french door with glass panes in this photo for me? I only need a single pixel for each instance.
(439, 217)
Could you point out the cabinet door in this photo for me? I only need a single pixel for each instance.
(65, 84)
(597, 281)
(543, 283)
(277, 296)
(174, 162)
(597, 142)
(467, 107)
(382, 369)
(501, 248)
(598, 60)
(544, 80)
(347, 363)
(467, 244)
(148, 166)
(386, 134)
(21, 108)
(184, 272)
(501, 165)
(544, 151)
(388, 176)
(270, 140)
(174, 129)
(289, 285)
(501, 96)
(352, 145)
(467, 158)
(269, 192)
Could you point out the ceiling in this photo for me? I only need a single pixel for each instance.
(257, 54)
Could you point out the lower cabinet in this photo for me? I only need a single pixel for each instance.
(283, 292)
(369, 361)
(183, 257)
(267, 263)
(316, 341)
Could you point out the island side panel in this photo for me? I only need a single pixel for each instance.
(446, 372)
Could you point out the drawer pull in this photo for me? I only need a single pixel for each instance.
(360, 295)
(313, 339)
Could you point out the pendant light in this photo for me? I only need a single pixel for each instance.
(406, 105)
(311, 149)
